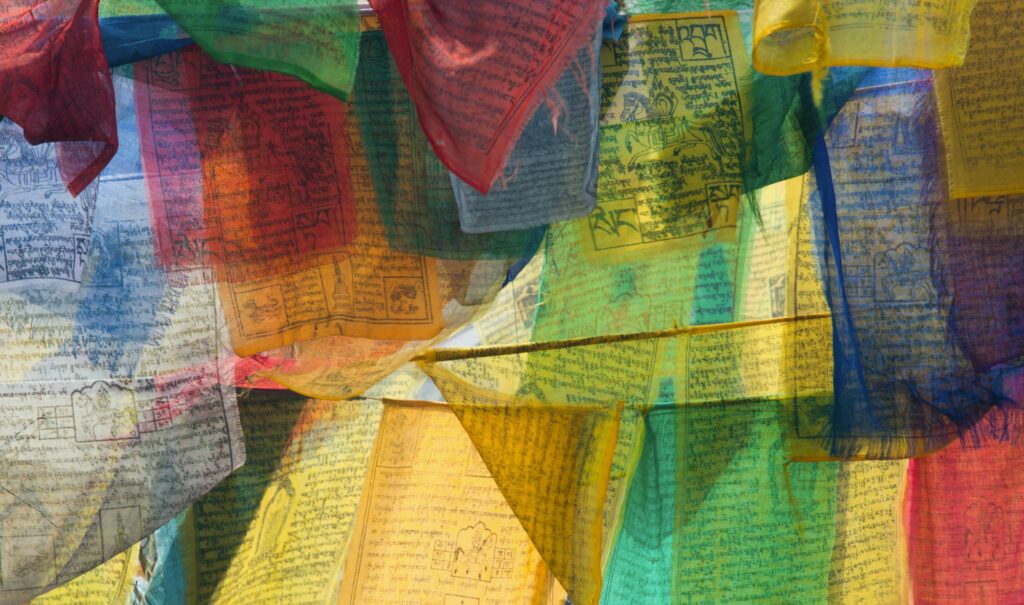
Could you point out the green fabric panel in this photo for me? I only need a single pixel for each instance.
(713, 515)
(786, 122)
(314, 40)
(690, 285)
(122, 8)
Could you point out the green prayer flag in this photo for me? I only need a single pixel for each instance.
(314, 40)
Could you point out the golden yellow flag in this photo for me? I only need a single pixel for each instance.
(795, 36)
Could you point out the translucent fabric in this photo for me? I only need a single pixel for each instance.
(124, 8)
(660, 247)
(118, 396)
(136, 38)
(285, 215)
(340, 367)
(413, 190)
(477, 71)
(55, 84)
(299, 522)
(552, 172)
(910, 373)
(316, 41)
(981, 119)
(729, 381)
(223, 141)
(242, 540)
(711, 500)
(793, 36)
(963, 527)
(785, 118)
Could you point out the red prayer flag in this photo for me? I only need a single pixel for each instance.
(476, 71)
(965, 515)
(55, 83)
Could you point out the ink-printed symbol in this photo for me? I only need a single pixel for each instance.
(628, 310)
(166, 69)
(191, 247)
(504, 562)
(261, 310)
(526, 303)
(656, 135)
(998, 214)
(987, 532)
(313, 163)
(702, 41)
(81, 256)
(443, 555)
(156, 418)
(214, 134)
(723, 204)
(105, 411)
(777, 294)
(659, 104)
(55, 422)
(615, 223)
(474, 553)
(454, 599)
(405, 297)
(398, 447)
(901, 275)
(316, 230)
(261, 157)
(119, 528)
(277, 506)
(25, 167)
(338, 283)
(27, 562)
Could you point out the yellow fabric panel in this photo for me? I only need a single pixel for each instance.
(306, 509)
(561, 506)
(433, 526)
(868, 563)
(110, 583)
(980, 106)
(795, 36)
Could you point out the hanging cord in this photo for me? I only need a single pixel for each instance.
(456, 353)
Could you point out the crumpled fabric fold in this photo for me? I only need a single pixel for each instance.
(477, 70)
(55, 84)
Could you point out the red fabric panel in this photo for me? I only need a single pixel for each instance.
(247, 167)
(965, 516)
(55, 83)
(477, 70)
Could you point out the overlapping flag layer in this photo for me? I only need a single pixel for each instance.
(481, 302)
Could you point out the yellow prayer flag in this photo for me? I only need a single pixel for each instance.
(980, 106)
(433, 526)
(795, 36)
